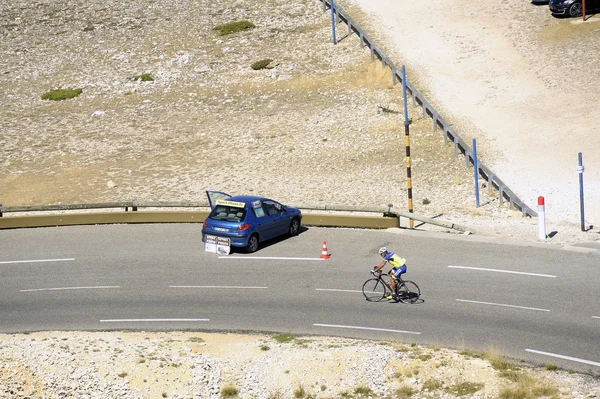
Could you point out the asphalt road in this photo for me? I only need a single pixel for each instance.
(534, 303)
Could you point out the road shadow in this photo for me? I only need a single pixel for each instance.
(268, 243)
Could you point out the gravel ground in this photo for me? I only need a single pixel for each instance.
(205, 365)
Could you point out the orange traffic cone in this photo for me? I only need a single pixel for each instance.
(324, 253)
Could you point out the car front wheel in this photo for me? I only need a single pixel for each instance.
(576, 9)
(252, 243)
(294, 227)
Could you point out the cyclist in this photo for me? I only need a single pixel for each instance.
(398, 267)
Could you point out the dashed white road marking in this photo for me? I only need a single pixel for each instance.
(147, 320)
(574, 359)
(502, 271)
(217, 286)
(35, 261)
(267, 258)
(71, 288)
(595, 317)
(502, 304)
(367, 328)
(334, 290)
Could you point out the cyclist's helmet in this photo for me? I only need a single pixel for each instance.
(382, 250)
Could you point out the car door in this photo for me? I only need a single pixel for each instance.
(263, 223)
(214, 196)
(276, 212)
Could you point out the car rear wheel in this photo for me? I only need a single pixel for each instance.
(576, 9)
(252, 243)
(294, 227)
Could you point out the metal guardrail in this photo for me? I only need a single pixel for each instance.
(385, 217)
(494, 182)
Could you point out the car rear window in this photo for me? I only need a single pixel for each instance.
(228, 213)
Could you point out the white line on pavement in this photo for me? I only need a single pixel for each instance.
(71, 288)
(334, 290)
(502, 271)
(216, 286)
(144, 320)
(367, 328)
(595, 317)
(267, 257)
(501, 304)
(36, 260)
(575, 359)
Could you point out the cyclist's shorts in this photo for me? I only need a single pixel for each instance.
(398, 271)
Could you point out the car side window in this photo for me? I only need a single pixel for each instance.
(272, 208)
(259, 212)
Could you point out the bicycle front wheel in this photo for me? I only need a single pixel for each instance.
(408, 292)
(374, 290)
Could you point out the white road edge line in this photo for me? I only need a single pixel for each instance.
(502, 271)
(267, 257)
(502, 304)
(36, 261)
(595, 317)
(146, 320)
(216, 286)
(70, 288)
(334, 290)
(575, 359)
(367, 328)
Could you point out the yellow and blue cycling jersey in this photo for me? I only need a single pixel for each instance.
(398, 263)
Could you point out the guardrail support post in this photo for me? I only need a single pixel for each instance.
(455, 146)
(134, 205)
(490, 183)
(500, 195)
(0, 210)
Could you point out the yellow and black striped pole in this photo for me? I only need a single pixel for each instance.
(407, 136)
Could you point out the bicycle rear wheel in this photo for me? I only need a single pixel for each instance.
(374, 290)
(408, 292)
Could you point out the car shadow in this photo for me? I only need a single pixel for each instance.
(268, 243)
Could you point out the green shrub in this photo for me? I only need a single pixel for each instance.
(234, 27)
(195, 339)
(464, 388)
(283, 338)
(299, 393)
(404, 392)
(363, 390)
(426, 201)
(262, 64)
(431, 385)
(145, 77)
(61, 94)
(229, 391)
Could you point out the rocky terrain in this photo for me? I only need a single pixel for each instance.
(198, 365)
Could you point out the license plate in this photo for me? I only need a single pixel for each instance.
(220, 229)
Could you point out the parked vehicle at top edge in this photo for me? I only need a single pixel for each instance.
(573, 8)
(248, 220)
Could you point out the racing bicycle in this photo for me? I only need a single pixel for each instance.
(377, 288)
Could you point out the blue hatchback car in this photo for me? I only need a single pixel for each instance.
(248, 220)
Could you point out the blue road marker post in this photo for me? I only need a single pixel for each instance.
(476, 173)
(333, 22)
(580, 170)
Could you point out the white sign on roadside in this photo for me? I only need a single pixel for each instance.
(217, 245)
